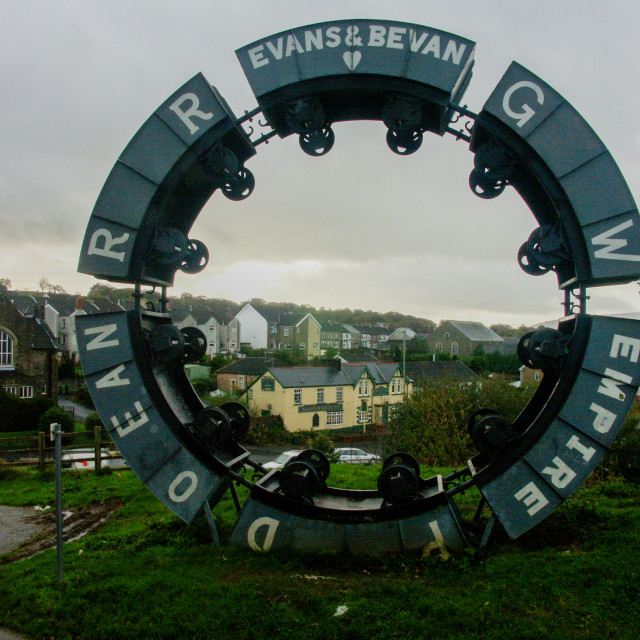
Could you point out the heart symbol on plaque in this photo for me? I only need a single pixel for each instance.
(352, 59)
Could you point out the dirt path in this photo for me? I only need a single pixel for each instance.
(17, 525)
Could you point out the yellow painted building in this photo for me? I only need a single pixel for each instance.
(343, 396)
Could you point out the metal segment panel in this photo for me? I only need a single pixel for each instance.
(141, 434)
(575, 441)
(263, 527)
(358, 59)
(582, 172)
(157, 180)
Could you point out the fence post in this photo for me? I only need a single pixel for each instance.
(97, 441)
(41, 445)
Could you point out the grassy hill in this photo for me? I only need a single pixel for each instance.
(144, 574)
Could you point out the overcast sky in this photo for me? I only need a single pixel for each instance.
(360, 227)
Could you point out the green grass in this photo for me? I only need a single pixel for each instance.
(145, 574)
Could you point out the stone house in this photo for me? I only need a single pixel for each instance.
(459, 338)
(241, 374)
(28, 353)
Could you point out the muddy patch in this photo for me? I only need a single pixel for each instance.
(24, 532)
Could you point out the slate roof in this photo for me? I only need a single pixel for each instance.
(431, 371)
(252, 366)
(331, 327)
(348, 375)
(42, 339)
(475, 331)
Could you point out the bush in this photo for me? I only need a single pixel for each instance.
(267, 430)
(56, 414)
(432, 423)
(83, 397)
(203, 386)
(21, 415)
(623, 458)
(92, 421)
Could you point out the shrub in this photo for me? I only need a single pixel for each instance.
(56, 414)
(21, 415)
(92, 421)
(267, 430)
(83, 397)
(203, 386)
(623, 458)
(432, 423)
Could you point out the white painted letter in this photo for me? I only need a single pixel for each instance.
(394, 41)
(561, 474)
(132, 424)
(333, 36)
(376, 35)
(609, 385)
(191, 112)
(604, 418)
(191, 477)
(268, 539)
(433, 46)
(102, 332)
(586, 452)
(625, 347)
(610, 245)
(532, 498)
(527, 112)
(113, 379)
(438, 542)
(257, 58)
(454, 52)
(414, 44)
(109, 241)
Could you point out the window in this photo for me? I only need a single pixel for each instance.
(315, 346)
(438, 346)
(363, 388)
(447, 335)
(334, 418)
(363, 416)
(301, 346)
(274, 328)
(339, 394)
(315, 421)
(454, 348)
(26, 392)
(285, 331)
(13, 390)
(297, 396)
(240, 382)
(536, 376)
(234, 331)
(320, 395)
(6, 350)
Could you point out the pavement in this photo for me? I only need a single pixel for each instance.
(17, 525)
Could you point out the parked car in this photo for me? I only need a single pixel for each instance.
(281, 460)
(84, 459)
(356, 456)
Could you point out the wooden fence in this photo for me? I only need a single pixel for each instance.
(81, 447)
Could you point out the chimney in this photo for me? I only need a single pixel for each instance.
(79, 303)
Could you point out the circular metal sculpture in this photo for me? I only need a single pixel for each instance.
(411, 78)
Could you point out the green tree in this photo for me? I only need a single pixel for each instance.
(432, 423)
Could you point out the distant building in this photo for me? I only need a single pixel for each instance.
(429, 371)
(459, 338)
(28, 352)
(342, 396)
(241, 374)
